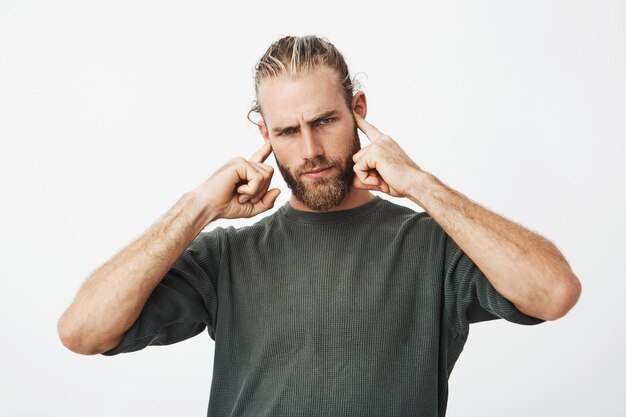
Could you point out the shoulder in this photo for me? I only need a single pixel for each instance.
(220, 240)
(254, 232)
(407, 218)
(416, 229)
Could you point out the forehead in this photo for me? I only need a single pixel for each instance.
(283, 100)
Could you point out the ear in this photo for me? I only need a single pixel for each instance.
(263, 130)
(359, 104)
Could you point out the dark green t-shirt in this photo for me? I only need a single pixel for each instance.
(361, 312)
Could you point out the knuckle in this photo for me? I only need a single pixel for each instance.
(253, 173)
(238, 160)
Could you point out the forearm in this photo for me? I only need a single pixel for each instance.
(524, 267)
(112, 297)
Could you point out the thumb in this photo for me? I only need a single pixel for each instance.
(357, 183)
(267, 202)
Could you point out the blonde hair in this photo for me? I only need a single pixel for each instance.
(295, 55)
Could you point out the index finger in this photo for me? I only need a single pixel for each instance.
(262, 154)
(370, 130)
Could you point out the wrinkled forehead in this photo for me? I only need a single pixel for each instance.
(284, 100)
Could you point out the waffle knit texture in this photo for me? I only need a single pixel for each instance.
(360, 312)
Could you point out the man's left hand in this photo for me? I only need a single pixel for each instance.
(383, 165)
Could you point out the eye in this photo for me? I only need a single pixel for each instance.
(286, 132)
(324, 121)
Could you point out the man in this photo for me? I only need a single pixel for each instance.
(340, 302)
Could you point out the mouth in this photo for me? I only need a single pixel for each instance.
(318, 172)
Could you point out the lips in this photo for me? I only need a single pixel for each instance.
(318, 172)
(313, 171)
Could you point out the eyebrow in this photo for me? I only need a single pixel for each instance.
(315, 119)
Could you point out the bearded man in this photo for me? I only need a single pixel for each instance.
(340, 302)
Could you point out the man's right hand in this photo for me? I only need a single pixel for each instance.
(240, 187)
(113, 296)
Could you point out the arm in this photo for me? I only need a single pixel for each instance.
(113, 296)
(522, 266)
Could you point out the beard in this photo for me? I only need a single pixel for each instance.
(323, 194)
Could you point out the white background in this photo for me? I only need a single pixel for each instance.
(111, 110)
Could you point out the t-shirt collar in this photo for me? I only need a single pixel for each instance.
(331, 216)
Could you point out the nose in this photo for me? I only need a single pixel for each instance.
(311, 144)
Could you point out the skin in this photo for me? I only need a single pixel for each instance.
(524, 267)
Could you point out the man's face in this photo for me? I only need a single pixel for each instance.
(313, 135)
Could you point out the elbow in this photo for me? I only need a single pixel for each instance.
(565, 296)
(71, 338)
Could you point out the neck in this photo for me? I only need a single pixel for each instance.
(355, 198)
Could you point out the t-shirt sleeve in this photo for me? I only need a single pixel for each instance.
(184, 302)
(470, 297)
